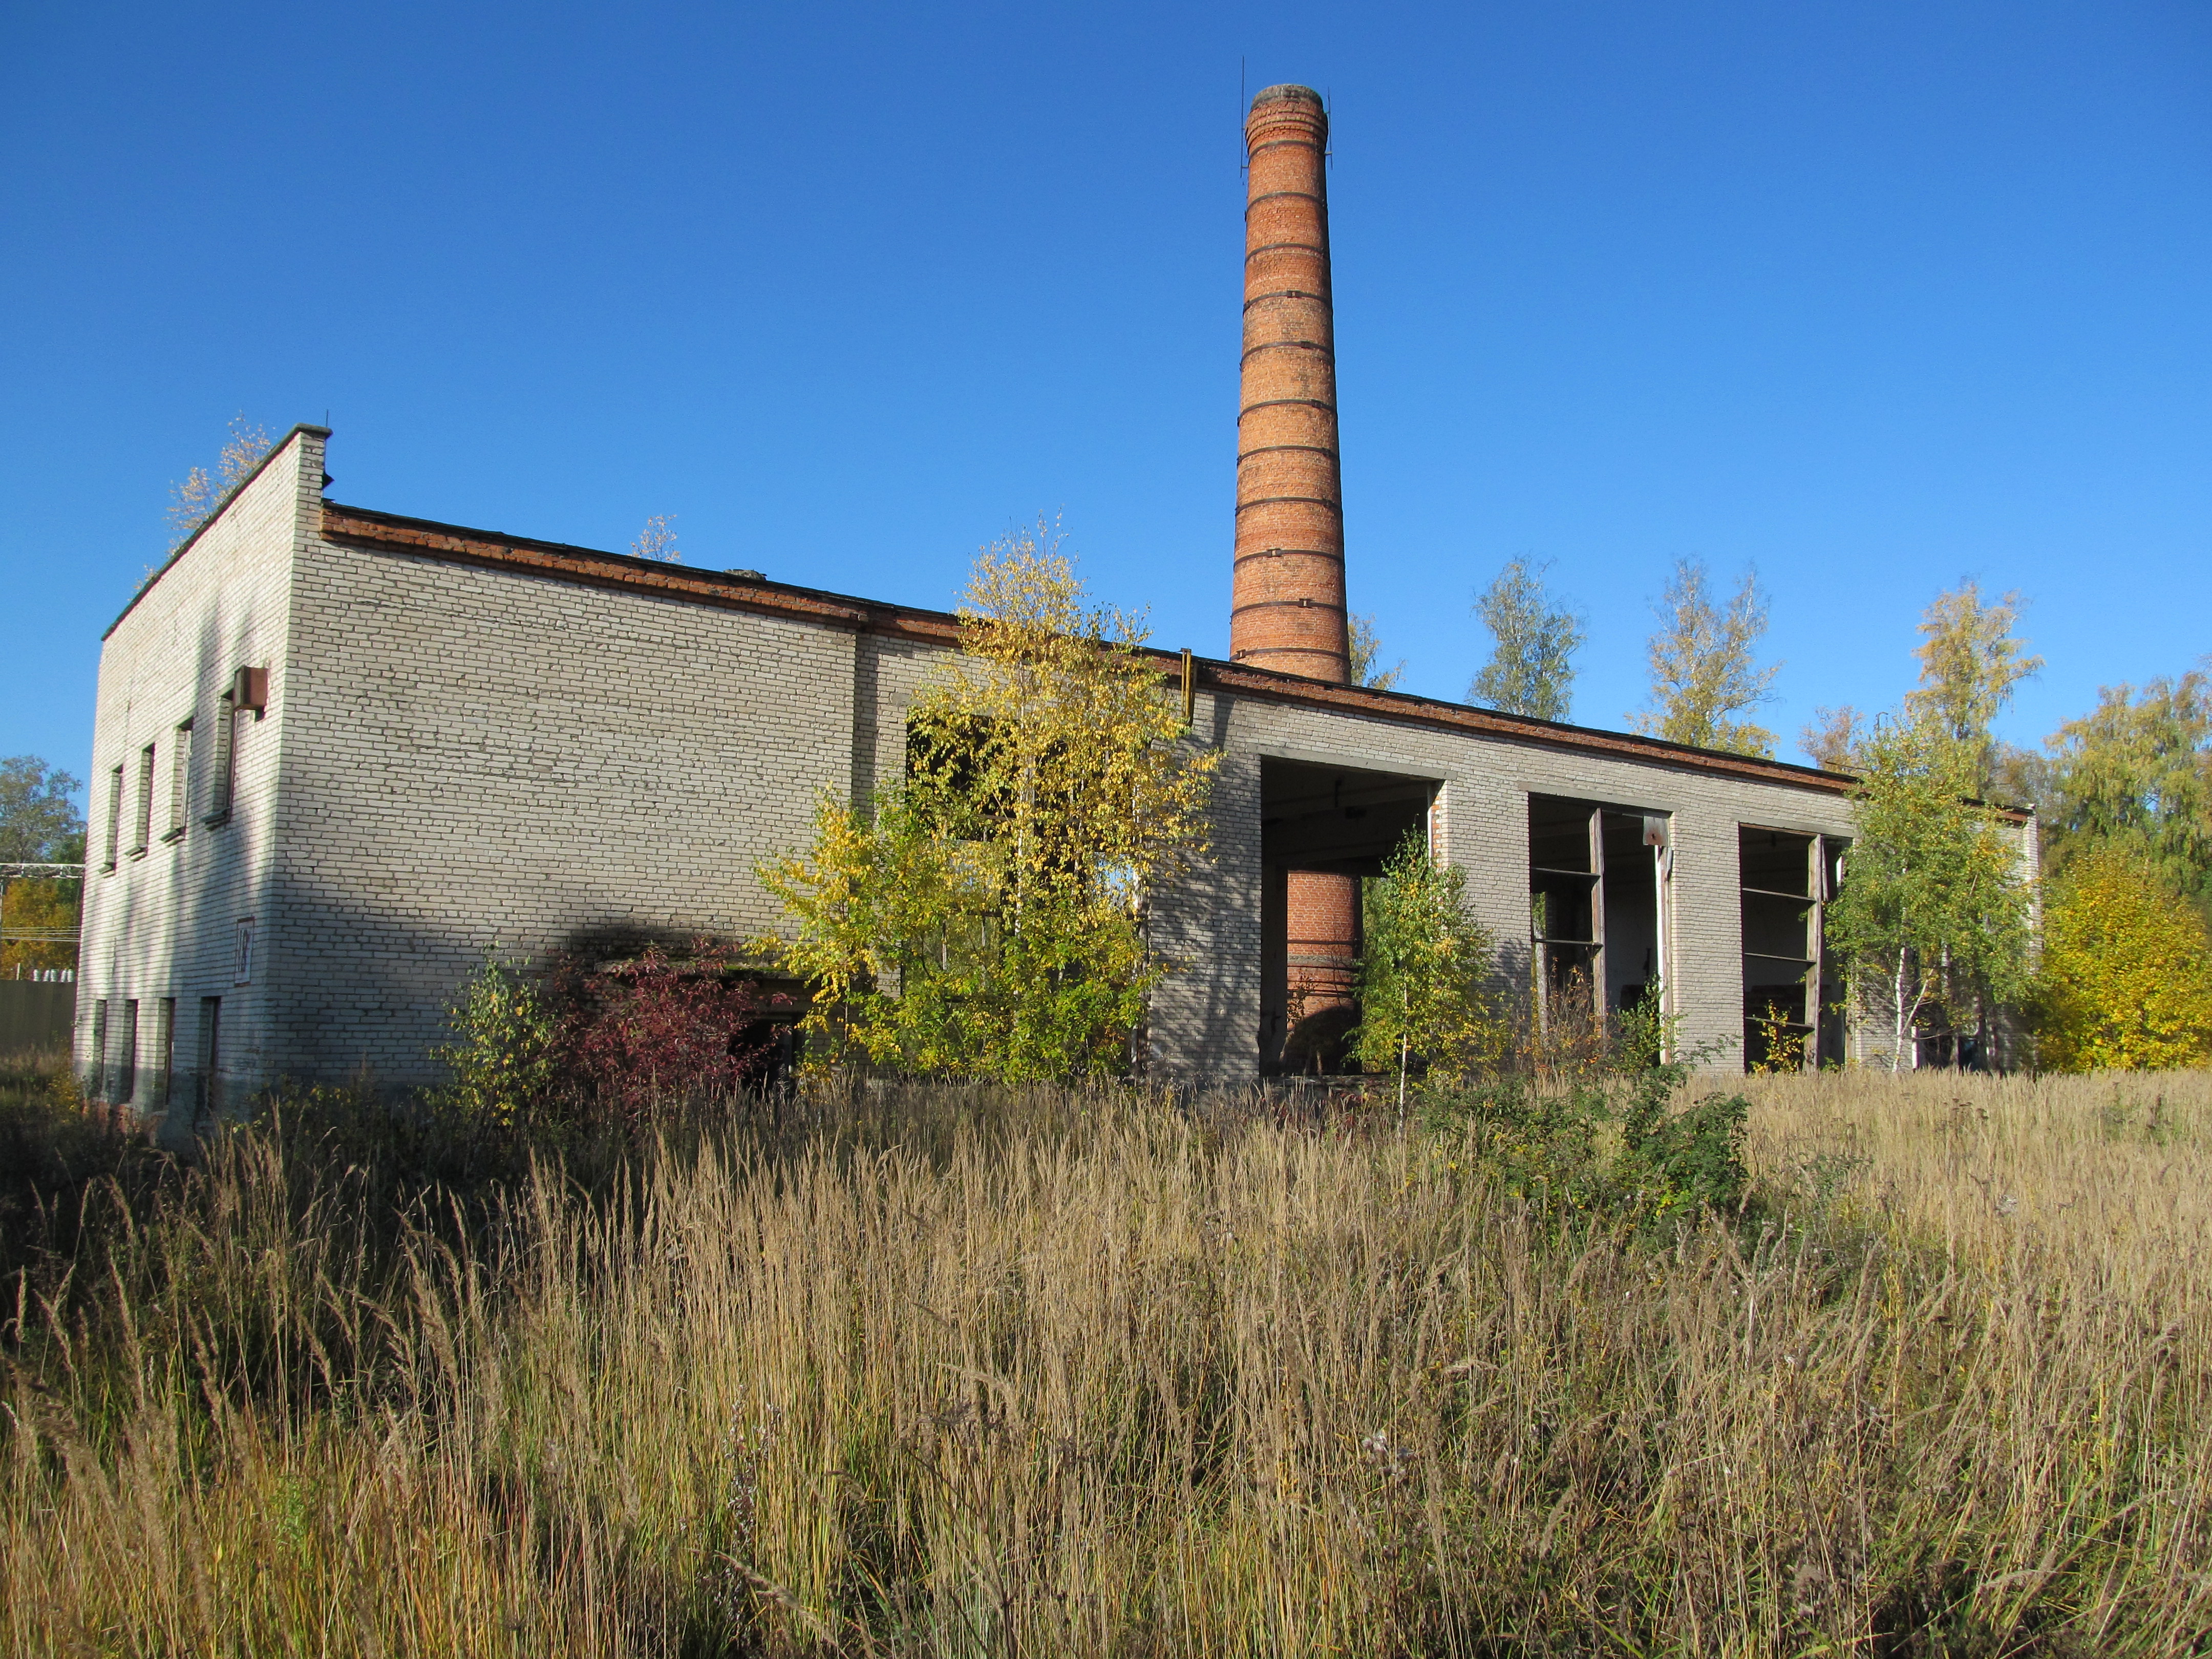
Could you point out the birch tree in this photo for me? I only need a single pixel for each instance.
(1971, 658)
(1705, 670)
(1534, 638)
(1425, 970)
(1932, 916)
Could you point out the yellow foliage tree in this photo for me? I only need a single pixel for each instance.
(988, 917)
(1703, 672)
(2126, 983)
(43, 916)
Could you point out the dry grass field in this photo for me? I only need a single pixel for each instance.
(933, 1374)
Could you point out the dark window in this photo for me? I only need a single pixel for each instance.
(126, 1060)
(96, 1087)
(1597, 910)
(165, 1048)
(114, 817)
(210, 1087)
(1793, 1009)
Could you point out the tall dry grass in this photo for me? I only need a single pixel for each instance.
(1086, 1375)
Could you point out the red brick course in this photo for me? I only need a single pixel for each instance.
(1287, 611)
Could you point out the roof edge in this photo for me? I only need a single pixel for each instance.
(593, 567)
(213, 513)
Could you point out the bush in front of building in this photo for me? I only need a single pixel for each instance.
(987, 916)
(506, 1047)
(1426, 972)
(634, 1035)
(1601, 1147)
(588, 1044)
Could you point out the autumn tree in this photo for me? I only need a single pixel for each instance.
(1932, 917)
(1831, 738)
(987, 916)
(194, 501)
(2125, 979)
(38, 824)
(2136, 775)
(1971, 658)
(1703, 669)
(1367, 668)
(1534, 640)
(1425, 965)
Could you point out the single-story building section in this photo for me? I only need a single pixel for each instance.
(340, 754)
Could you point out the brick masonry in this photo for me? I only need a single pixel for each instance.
(472, 741)
(1286, 605)
(161, 928)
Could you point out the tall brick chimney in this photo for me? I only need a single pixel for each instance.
(1287, 608)
(1287, 598)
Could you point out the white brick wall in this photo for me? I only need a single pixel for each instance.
(164, 924)
(487, 756)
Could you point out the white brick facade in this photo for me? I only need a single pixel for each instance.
(472, 740)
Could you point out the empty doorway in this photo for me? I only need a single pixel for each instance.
(1324, 831)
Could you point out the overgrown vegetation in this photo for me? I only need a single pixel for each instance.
(986, 916)
(1617, 1147)
(194, 501)
(954, 1371)
(594, 1047)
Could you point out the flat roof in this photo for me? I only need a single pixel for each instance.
(731, 590)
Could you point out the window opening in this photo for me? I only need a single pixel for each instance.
(1596, 930)
(211, 1056)
(1793, 1011)
(126, 1063)
(114, 817)
(165, 1050)
(1324, 831)
(223, 763)
(98, 1089)
(208, 1090)
(142, 832)
(180, 781)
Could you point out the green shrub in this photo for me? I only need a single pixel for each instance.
(505, 1053)
(1613, 1147)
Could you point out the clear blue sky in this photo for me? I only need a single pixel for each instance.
(1877, 295)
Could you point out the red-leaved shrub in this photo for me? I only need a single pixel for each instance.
(654, 1030)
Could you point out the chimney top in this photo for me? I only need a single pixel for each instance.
(1286, 92)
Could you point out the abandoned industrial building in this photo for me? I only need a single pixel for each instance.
(339, 753)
